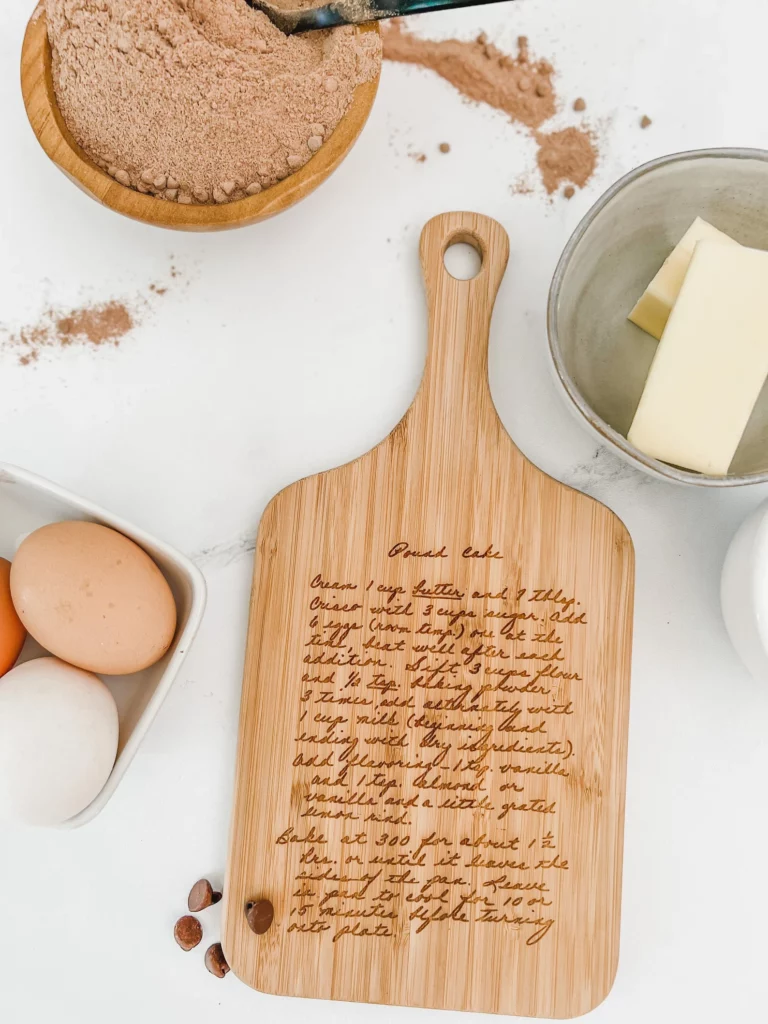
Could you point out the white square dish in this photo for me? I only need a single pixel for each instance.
(27, 502)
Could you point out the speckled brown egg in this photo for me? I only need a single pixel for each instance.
(12, 633)
(93, 597)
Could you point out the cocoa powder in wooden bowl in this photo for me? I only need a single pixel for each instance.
(133, 188)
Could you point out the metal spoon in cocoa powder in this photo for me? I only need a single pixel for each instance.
(302, 16)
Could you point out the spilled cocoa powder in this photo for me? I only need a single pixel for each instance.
(518, 86)
(95, 325)
(92, 325)
(567, 155)
(99, 325)
(521, 87)
(522, 187)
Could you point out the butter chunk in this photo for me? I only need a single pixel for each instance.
(652, 309)
(711, 362)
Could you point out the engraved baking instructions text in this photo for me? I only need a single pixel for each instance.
(433, 748)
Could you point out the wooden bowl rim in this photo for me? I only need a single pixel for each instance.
(58, 143)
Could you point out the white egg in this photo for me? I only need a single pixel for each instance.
(58, 741)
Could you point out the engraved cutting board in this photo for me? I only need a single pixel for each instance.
(433, 733)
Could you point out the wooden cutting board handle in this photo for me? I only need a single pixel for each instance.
(454, 399)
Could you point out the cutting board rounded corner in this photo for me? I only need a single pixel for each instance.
(240, 966)
(597, 1001)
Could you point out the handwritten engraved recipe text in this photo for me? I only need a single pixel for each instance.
(426, 703)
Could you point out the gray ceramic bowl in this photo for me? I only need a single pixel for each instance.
(601, 359)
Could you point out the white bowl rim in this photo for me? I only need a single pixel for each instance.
(198, 586)
(661, 470)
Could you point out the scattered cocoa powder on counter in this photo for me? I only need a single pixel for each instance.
(96, 325)
(520, 86)
(200, 100)
(444, 147)
(91, 325)
(579, 105)
(522, 187)
(100, 325)
(567, 155)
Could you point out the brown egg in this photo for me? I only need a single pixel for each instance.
(12, 633)
(92, 597)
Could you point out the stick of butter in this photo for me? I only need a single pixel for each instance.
(711, 362)
(652, 309)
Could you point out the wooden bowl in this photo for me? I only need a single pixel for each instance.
(55, 138)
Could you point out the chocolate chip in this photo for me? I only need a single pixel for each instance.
(444, 147)
(215, 960)
(645, 121)
(579, 105)
(202, 895)
(260, 914)
(188, 932)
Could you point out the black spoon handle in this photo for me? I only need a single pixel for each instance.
(353, 13)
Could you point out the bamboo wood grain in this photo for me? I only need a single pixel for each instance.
(478, 517)
(57, 141)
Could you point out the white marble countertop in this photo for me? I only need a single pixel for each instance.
(292, 346)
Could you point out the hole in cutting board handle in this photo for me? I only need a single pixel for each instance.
(463, 260)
